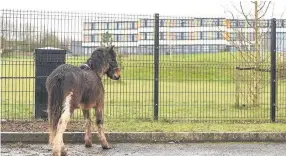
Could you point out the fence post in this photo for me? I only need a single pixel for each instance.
(273, 71)
(2, 32)
(156, 66)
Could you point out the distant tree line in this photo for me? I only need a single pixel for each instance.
(25, 38)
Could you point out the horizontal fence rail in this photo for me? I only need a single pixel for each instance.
(174, 68)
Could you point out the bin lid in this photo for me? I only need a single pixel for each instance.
(54, 48)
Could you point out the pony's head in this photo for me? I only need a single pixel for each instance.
(103, 61)
(113, 71)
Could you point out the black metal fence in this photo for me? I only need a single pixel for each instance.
(173, 68)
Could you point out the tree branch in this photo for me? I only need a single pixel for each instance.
(227, 10)
(236, 8)
(245, 16)
(261, 6)
(265, 11)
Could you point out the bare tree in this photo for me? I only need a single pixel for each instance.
(251, 42)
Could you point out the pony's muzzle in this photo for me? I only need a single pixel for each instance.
(117, 73)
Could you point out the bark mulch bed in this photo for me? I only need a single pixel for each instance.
(38, 126)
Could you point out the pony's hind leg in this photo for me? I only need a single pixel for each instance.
(58, 144)
(87, 136)
(99, 122)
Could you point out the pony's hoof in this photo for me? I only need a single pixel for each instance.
(88, 144)
(106, 147)
(64, 153)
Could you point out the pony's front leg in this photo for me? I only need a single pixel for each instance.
(87, 136)
(99, 122)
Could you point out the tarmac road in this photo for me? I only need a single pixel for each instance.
(170, 149)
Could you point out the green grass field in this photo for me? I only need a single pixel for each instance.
(197, 87)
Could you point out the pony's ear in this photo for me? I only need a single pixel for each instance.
(111, 48)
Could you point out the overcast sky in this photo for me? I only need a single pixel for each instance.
(194, 8)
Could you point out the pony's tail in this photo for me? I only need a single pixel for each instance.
(55, 107)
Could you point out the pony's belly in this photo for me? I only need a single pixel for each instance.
(86, 106)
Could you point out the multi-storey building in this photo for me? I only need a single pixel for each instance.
(180, 36)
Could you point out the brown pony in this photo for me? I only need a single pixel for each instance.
(70, 87)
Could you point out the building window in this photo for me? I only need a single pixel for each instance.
(211, 35)
(150, 23)
(147, 23)
(143, 36)
(185, 36)
(149, 36)
(130, 25)
(197, 48)
(242, 24)
(192, 35)
(215, 22)
(87, 38)
(104, 26)
(199, 35)
(162, 23)
(204, 35)
(95, 26)
(279, 23)
(233, 36)
(172, 36)
(208, 22)
(205, 48)
(144, 23)
(195, 22)
(130, 38)
(183, 23)
(178, 36)
(95, 38)
(233, 23)
(111, 25)
(263, 23)
(248, 24)
(221, 22)
(205, 22)
(121, 38)
(185, 49)
(216, 35)
(192, 22)
(199, 22)
(213, 48)
(134, 25)
(120, 25)
(221, 48)
(115, 38)
(87, 26)
(220, 35)
(162, 36)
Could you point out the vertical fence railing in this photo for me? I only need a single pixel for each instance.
(273, 71)
(156, 66)
(175, 68)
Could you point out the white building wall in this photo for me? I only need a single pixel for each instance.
(139, 42)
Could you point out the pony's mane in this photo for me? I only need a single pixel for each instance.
(96, 61)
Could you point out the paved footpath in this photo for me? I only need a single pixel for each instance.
(171, 149)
